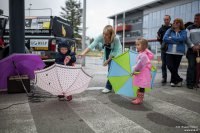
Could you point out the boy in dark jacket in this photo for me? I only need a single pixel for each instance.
(65, 57)
(161, 33)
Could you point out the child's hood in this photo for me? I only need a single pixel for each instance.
(149, 54)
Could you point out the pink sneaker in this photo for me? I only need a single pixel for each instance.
(139, 99)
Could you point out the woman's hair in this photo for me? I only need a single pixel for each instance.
(179, 20)
(111, 31)
(143, 42)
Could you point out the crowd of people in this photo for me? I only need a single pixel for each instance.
(175, 40)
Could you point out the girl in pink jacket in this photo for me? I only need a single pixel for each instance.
(143, 66)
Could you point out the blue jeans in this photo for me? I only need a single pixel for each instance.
(164, 65)
(190, 77)
(108, 84)
(173, 63)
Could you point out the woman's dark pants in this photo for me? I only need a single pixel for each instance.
(173, 63)
(108, 84)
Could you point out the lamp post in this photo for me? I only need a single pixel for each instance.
(30, 9)
(115, 24)
(84, 29)
(124, 24)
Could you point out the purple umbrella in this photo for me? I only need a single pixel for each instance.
(24, 64)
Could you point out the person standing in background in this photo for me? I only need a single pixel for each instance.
(193, 43)
(175, 38)
(160, 35)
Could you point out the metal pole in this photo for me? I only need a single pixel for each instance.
(124, 24)
(156, 49)
(115, 24)
(16, 24)
(84, 29)
(30, 9)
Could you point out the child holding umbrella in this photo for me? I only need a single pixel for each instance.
(65, 57)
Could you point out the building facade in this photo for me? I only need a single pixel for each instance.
(150, 18)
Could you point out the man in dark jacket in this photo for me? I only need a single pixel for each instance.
(64, 55)
(160, 35)
(193, 43)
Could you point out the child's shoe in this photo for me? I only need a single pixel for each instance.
(61, 97)
(69, 98)
(139, 99)
(136, 94)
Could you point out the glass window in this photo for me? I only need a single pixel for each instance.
(145, 21)
(162, 14)
(167, 11)
(195, 7)
(158, 19)
(182, 12)
(150, 33)
(188, 14)
(150, 20)
(172, 12)
(154, 33)
(136, 33)
(153, 19)
(140, 20)
(199, 5)
(145, 33)
(127, 34)
(177, 12)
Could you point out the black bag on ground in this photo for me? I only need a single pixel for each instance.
(15, 84)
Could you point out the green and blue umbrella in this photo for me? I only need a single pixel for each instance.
(120, 74)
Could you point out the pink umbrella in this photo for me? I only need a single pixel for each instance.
(62, 80)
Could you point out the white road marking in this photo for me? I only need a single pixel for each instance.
(184, 94)
(181, 114)
(102, 119)
(17, 119)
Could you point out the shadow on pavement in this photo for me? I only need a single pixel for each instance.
(163, 120)
(125, 103)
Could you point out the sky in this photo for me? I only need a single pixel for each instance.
(96, 13)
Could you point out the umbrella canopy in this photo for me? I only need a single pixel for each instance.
(23, 64)
(62, 80)
(120, 74)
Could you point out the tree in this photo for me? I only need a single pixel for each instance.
(72, 12)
